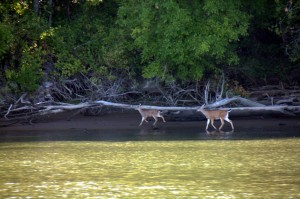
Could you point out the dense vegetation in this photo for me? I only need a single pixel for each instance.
(102, 49)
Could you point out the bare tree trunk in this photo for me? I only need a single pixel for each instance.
(36, 7)
(243, 101)
(69, 10)
(29, 111)
(206, 92)
(50, 4)
(220, 88)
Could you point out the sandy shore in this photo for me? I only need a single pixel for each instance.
(131, 119)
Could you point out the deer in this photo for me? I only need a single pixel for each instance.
(212, 115)
(145, 113)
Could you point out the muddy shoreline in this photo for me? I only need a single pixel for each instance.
(130, 120)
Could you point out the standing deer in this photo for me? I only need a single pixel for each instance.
(145, 113)
(212, 115)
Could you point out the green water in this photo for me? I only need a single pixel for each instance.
(151, 169)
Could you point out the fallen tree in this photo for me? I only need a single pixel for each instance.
(29, 112)
(173, 100)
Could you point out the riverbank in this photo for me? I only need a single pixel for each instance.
(129, 120)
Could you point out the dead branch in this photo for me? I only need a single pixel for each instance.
(22, 100)
(283, 109)
(206, 92)
(220, 87)
(8, 111)
(30, 112)
(241, 100)
(172, 97)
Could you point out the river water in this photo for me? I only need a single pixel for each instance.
(150, 164)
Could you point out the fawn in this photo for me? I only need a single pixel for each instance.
(145, 113)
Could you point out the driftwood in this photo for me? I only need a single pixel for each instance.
(286, 110)
(278, 95)
(243, 101)
(178, 100)
(223, 102)
(27, 112)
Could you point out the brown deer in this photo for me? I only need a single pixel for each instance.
(145, 113)
(212, 115)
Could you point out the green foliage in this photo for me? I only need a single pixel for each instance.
(288, 27)
(20, 53)
(261, 54)
(61, 41)
(183, 39)
(86, 43)
(28, 76)
(6, 38)
(168, 39)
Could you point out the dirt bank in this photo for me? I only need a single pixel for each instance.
(131, 119)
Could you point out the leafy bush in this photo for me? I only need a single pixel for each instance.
(183, 40)
(6, 38)
(28, 75)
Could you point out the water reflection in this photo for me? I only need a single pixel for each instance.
(219, 134)
(145, 133)
(152, 131)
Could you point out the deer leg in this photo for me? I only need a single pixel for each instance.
(155, 118)
(142, 121)
(162, 117)
(208, 120)
(231, 123)
(222, 123)
(212, 123)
